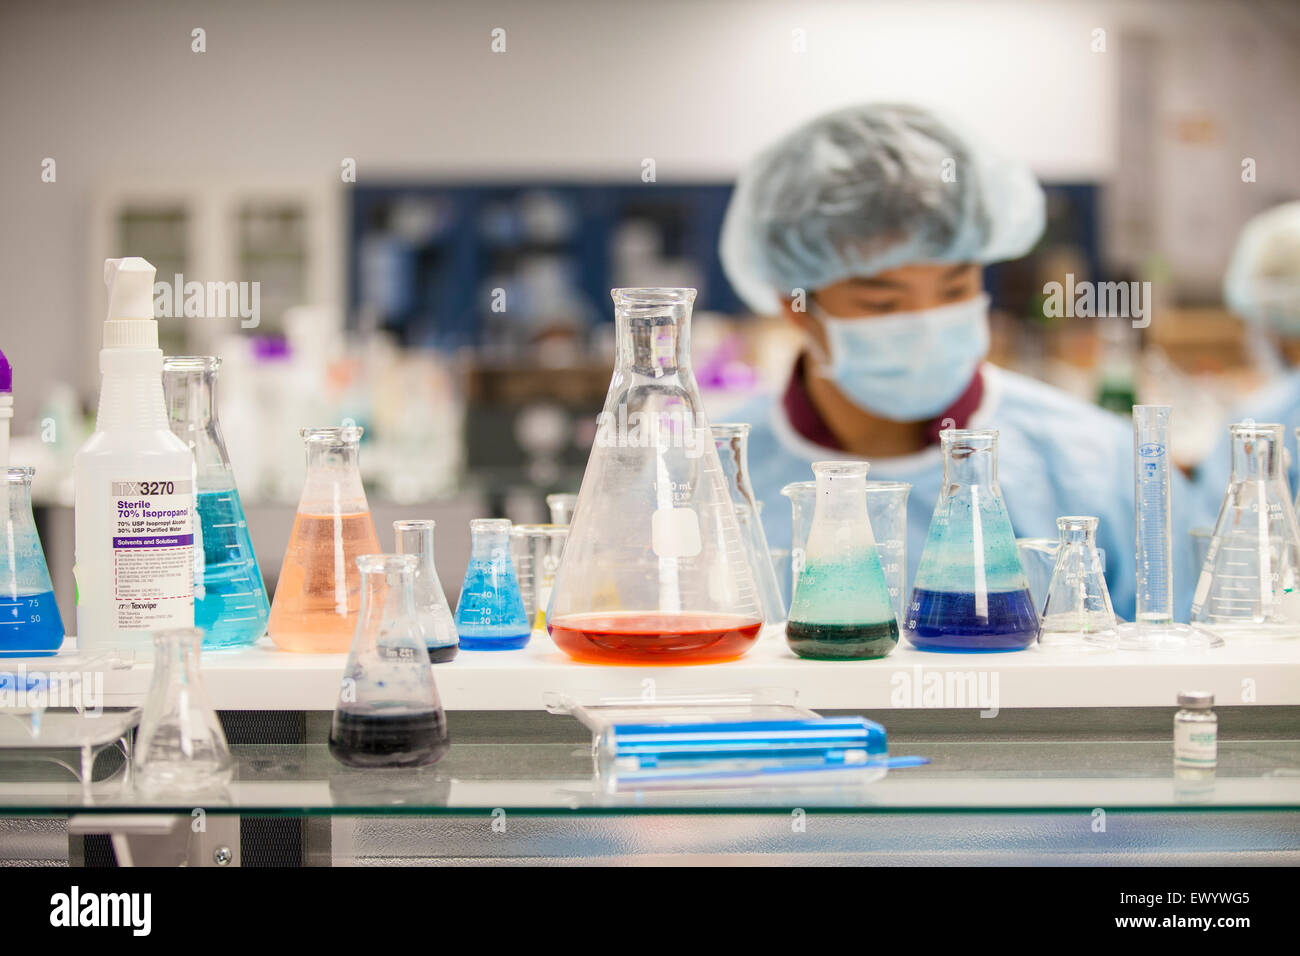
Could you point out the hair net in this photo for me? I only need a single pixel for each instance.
(1262, 283)
(862, 190)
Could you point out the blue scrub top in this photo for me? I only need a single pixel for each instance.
(1057, 456)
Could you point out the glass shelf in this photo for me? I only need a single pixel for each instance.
(557, 779)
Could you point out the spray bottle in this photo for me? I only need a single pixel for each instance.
(134, 484)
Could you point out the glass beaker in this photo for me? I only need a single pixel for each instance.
(490, 615)
(887, 512)
(841, 608)
(732, 441)
(1077, 609)
(30, 625)
(536, 550)
(319, 591)
(230, 602)
(388, 714)
(971, 593)
(180, 745)
(1248, 583)
(654, 570)
(415, 537)
(561, 506)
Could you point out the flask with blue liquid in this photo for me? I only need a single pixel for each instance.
(230, 602)
(971, 592)
(490, 615)
(29, 618)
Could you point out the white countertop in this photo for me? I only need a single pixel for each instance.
(264, 678)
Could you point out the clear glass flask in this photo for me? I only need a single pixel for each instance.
(536, 550)
(319, 591)
(654, 570)
(887, 511)
(1077, 609)
(180, 746)
(1155, 628)
(415, 537)
(561, 505)
(230, 602)
(30, 624)
(971, 593)
(388, 714)
(490, 615)
(842, 609)
(732, 441)
(1248, 583)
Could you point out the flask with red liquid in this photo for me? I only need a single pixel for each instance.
(318, 594)
(654, 570)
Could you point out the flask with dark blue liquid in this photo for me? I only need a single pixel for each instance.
(970, 592)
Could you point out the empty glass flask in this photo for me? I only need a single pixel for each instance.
(561, 505)
(388, 713)
(842, 609)
(733, 454)
(536, 550)
(1077, 609)
(490, 615)
(29, 616)
(654, 571)
(180, 746)
(230, 602)
(415, 537)
(970, 592)
(318, 594)
(1248, 584)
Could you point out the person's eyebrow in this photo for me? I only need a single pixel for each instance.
(877, 283)
(957, 271)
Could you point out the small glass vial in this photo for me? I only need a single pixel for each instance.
(1196, 732)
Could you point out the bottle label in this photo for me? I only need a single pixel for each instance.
(1196, 744)
(153, 554)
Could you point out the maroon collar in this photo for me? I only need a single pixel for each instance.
(809, 424)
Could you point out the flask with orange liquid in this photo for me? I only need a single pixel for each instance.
(318, 595)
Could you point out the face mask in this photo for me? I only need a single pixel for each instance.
(908, 366)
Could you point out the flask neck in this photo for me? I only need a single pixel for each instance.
(490, 545)
(176, 659)
(20, 497)
(387, 600)
(652, 330)
(417, 542)
(1256, 453)
(333, 483)
(970, 464)
(733, 453)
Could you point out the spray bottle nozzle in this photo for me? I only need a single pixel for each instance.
(130, 300)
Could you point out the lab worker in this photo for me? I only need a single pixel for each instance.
(1262, 286)
(867, 228)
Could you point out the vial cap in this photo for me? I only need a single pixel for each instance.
(1195, 699)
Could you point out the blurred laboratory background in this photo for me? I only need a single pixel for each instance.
(435, 199)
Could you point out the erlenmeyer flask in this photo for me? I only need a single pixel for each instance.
(654, 570)
(319, 591)
(415, 537)
(841, 608)
(180, 745)
(732, 441)
(1248, 584)
(490, 615)
(230, 602)
(561, 506)
(971, 593)
(388, 714)
(1077, 609)
(29, 617)
(887, 512)
(536, 550)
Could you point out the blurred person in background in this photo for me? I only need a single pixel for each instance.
(867, 228)
(1262, 286)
